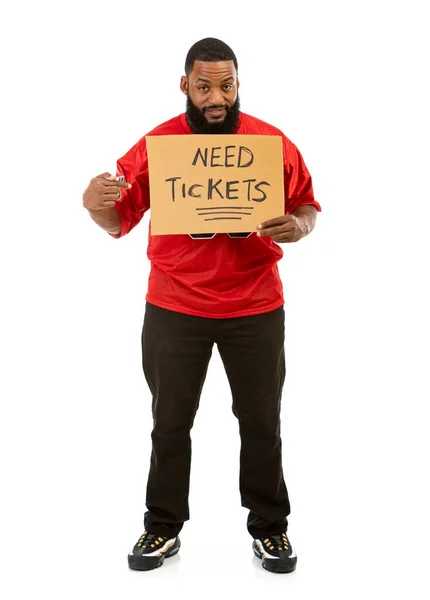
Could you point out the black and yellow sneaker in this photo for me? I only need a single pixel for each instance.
(151, 550)
(276, 553)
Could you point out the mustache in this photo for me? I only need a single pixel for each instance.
(205, 108)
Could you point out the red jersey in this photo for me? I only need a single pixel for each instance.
(223, 276)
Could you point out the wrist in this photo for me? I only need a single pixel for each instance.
(303, 225)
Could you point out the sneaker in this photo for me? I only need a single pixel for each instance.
(151, 550)
(276, 553)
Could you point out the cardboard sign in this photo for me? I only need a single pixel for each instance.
(214, 183)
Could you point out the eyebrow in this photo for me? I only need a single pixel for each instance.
(209, 81)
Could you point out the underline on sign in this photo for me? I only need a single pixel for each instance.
(223, 219)
(223, 213)
(235, 207)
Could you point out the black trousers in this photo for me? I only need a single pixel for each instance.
(176, 349)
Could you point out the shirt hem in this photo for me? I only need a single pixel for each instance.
(196, 313)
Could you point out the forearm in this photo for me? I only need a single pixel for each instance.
(107, 218)
(307, 215)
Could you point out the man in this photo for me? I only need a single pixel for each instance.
(206, 289)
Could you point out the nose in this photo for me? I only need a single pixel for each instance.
(215, 96)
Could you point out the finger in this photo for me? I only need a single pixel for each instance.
(112, 180)
(105, 204)
(111, 192)
(109, 197)
(115, 183)
(281, 238)
(109, 200)
(111, 177)
(282, 230)
(273, 222)
(108, 177)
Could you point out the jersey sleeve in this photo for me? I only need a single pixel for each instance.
(133, 202)
(297, 180)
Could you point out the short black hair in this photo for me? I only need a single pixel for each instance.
(210, 50)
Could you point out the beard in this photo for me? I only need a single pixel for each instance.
(199, 124)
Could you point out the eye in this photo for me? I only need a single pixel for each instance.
(203, 88)
(228, 86)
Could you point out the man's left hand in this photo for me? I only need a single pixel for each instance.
(290, 228)
(287, 228)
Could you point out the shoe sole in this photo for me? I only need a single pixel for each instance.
(147, 563)
(276, 565)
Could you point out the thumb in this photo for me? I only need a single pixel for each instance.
(107, 176)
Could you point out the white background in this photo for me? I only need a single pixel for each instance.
(347, 82)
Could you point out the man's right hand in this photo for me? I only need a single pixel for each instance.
(103, 191)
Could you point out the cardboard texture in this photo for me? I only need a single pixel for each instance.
(214, 183)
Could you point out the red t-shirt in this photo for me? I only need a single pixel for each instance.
(219, 277)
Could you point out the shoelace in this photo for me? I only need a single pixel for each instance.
(149, 540)
(278, 541)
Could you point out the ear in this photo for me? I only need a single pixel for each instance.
(237, 83)
(184, 85)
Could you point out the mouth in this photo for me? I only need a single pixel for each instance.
(215, 113)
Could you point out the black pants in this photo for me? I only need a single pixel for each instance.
(176, 350)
